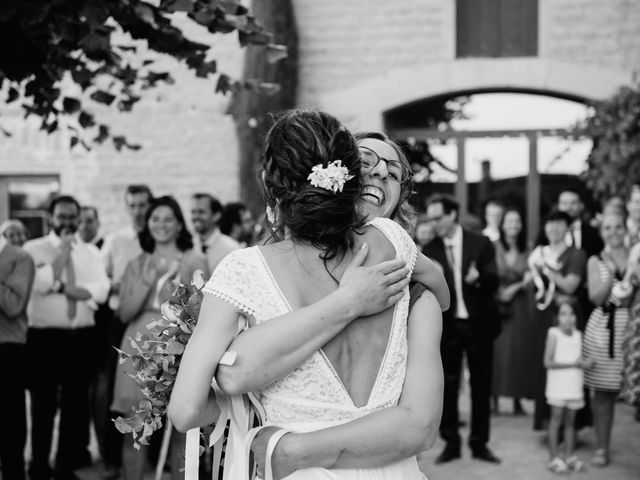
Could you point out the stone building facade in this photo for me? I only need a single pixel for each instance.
(358, 60)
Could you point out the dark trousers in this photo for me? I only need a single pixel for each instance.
(60, 370)
(109, 332)
(460, 337)
(13, 429)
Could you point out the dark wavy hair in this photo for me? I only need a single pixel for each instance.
(521, 241)
(299, 140)
(231, 216)
(556, 215)
(404, 213)
(183, 242)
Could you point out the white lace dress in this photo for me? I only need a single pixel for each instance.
(312, 396)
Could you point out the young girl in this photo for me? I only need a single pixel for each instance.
(564, 392)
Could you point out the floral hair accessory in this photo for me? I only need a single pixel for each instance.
(332, 177)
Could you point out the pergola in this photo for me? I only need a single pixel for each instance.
(460, 137)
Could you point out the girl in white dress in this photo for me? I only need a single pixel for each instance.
(564, 388)
(369, 366)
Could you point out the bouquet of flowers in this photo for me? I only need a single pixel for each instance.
(157, 358)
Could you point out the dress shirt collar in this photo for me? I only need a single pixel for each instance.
(93, 241)
(212, 238)
(130, 232)
(456, 239)
(54, 239)
(3, 243)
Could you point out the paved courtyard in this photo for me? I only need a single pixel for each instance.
(523, 452)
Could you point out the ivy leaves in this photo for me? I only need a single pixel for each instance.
(156, 358)
(51, 42)
(613, 165)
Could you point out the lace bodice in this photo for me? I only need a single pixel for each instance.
(313, 391)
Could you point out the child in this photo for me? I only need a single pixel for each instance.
(564, 363)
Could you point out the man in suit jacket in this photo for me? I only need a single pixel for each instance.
(581, 234)
(16, 278)
(469, 326)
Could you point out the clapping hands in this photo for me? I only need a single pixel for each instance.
(472, 274)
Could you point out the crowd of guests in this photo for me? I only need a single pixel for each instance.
(558, 323)
(69, 297)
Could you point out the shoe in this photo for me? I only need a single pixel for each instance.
(575, 464)
(40, 472)
(65, 475)
(485, 455)
(83, 459)
(600, 458)
(447, 455)
(557, 465)
(110, 473)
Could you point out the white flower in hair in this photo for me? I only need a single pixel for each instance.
(332, 177)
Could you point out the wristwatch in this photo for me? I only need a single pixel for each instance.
(58, 286)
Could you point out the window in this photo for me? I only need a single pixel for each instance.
(26, 198)
(496, 28)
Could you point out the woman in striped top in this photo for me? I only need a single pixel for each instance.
(606, 326)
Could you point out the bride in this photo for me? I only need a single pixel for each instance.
(341, 393)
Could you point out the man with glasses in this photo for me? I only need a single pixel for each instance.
(469, 326)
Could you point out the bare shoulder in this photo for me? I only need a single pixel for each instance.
(380, 248)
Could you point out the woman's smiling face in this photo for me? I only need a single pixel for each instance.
(380, 188)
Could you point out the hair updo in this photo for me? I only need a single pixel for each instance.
(298, 141)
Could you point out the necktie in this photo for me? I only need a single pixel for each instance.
(450, 256)
(574, 236)
(71, 281)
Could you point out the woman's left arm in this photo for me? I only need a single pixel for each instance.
(386, 436)
(571, 280)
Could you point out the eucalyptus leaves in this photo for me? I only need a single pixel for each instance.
(157, 358)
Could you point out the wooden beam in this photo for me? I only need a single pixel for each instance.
(424, 133)
(533, 191)
(462, 194)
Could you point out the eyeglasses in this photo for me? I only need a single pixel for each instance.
(397, 170)
(434, 219)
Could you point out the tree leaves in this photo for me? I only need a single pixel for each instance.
(103, 97)
(613, 165)
(52, 39)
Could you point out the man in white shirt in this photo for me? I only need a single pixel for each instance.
(89, 226)
(122, 247)
(493, 212)
(206, 211)
(118, 250)
(69, 283)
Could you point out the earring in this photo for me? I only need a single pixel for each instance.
(272, 214)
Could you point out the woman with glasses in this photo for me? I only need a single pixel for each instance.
(321, 381)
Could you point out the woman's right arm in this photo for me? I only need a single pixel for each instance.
(192, 401)
(134, 291)
(429, 274)
(265, 355)
(599, 290)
